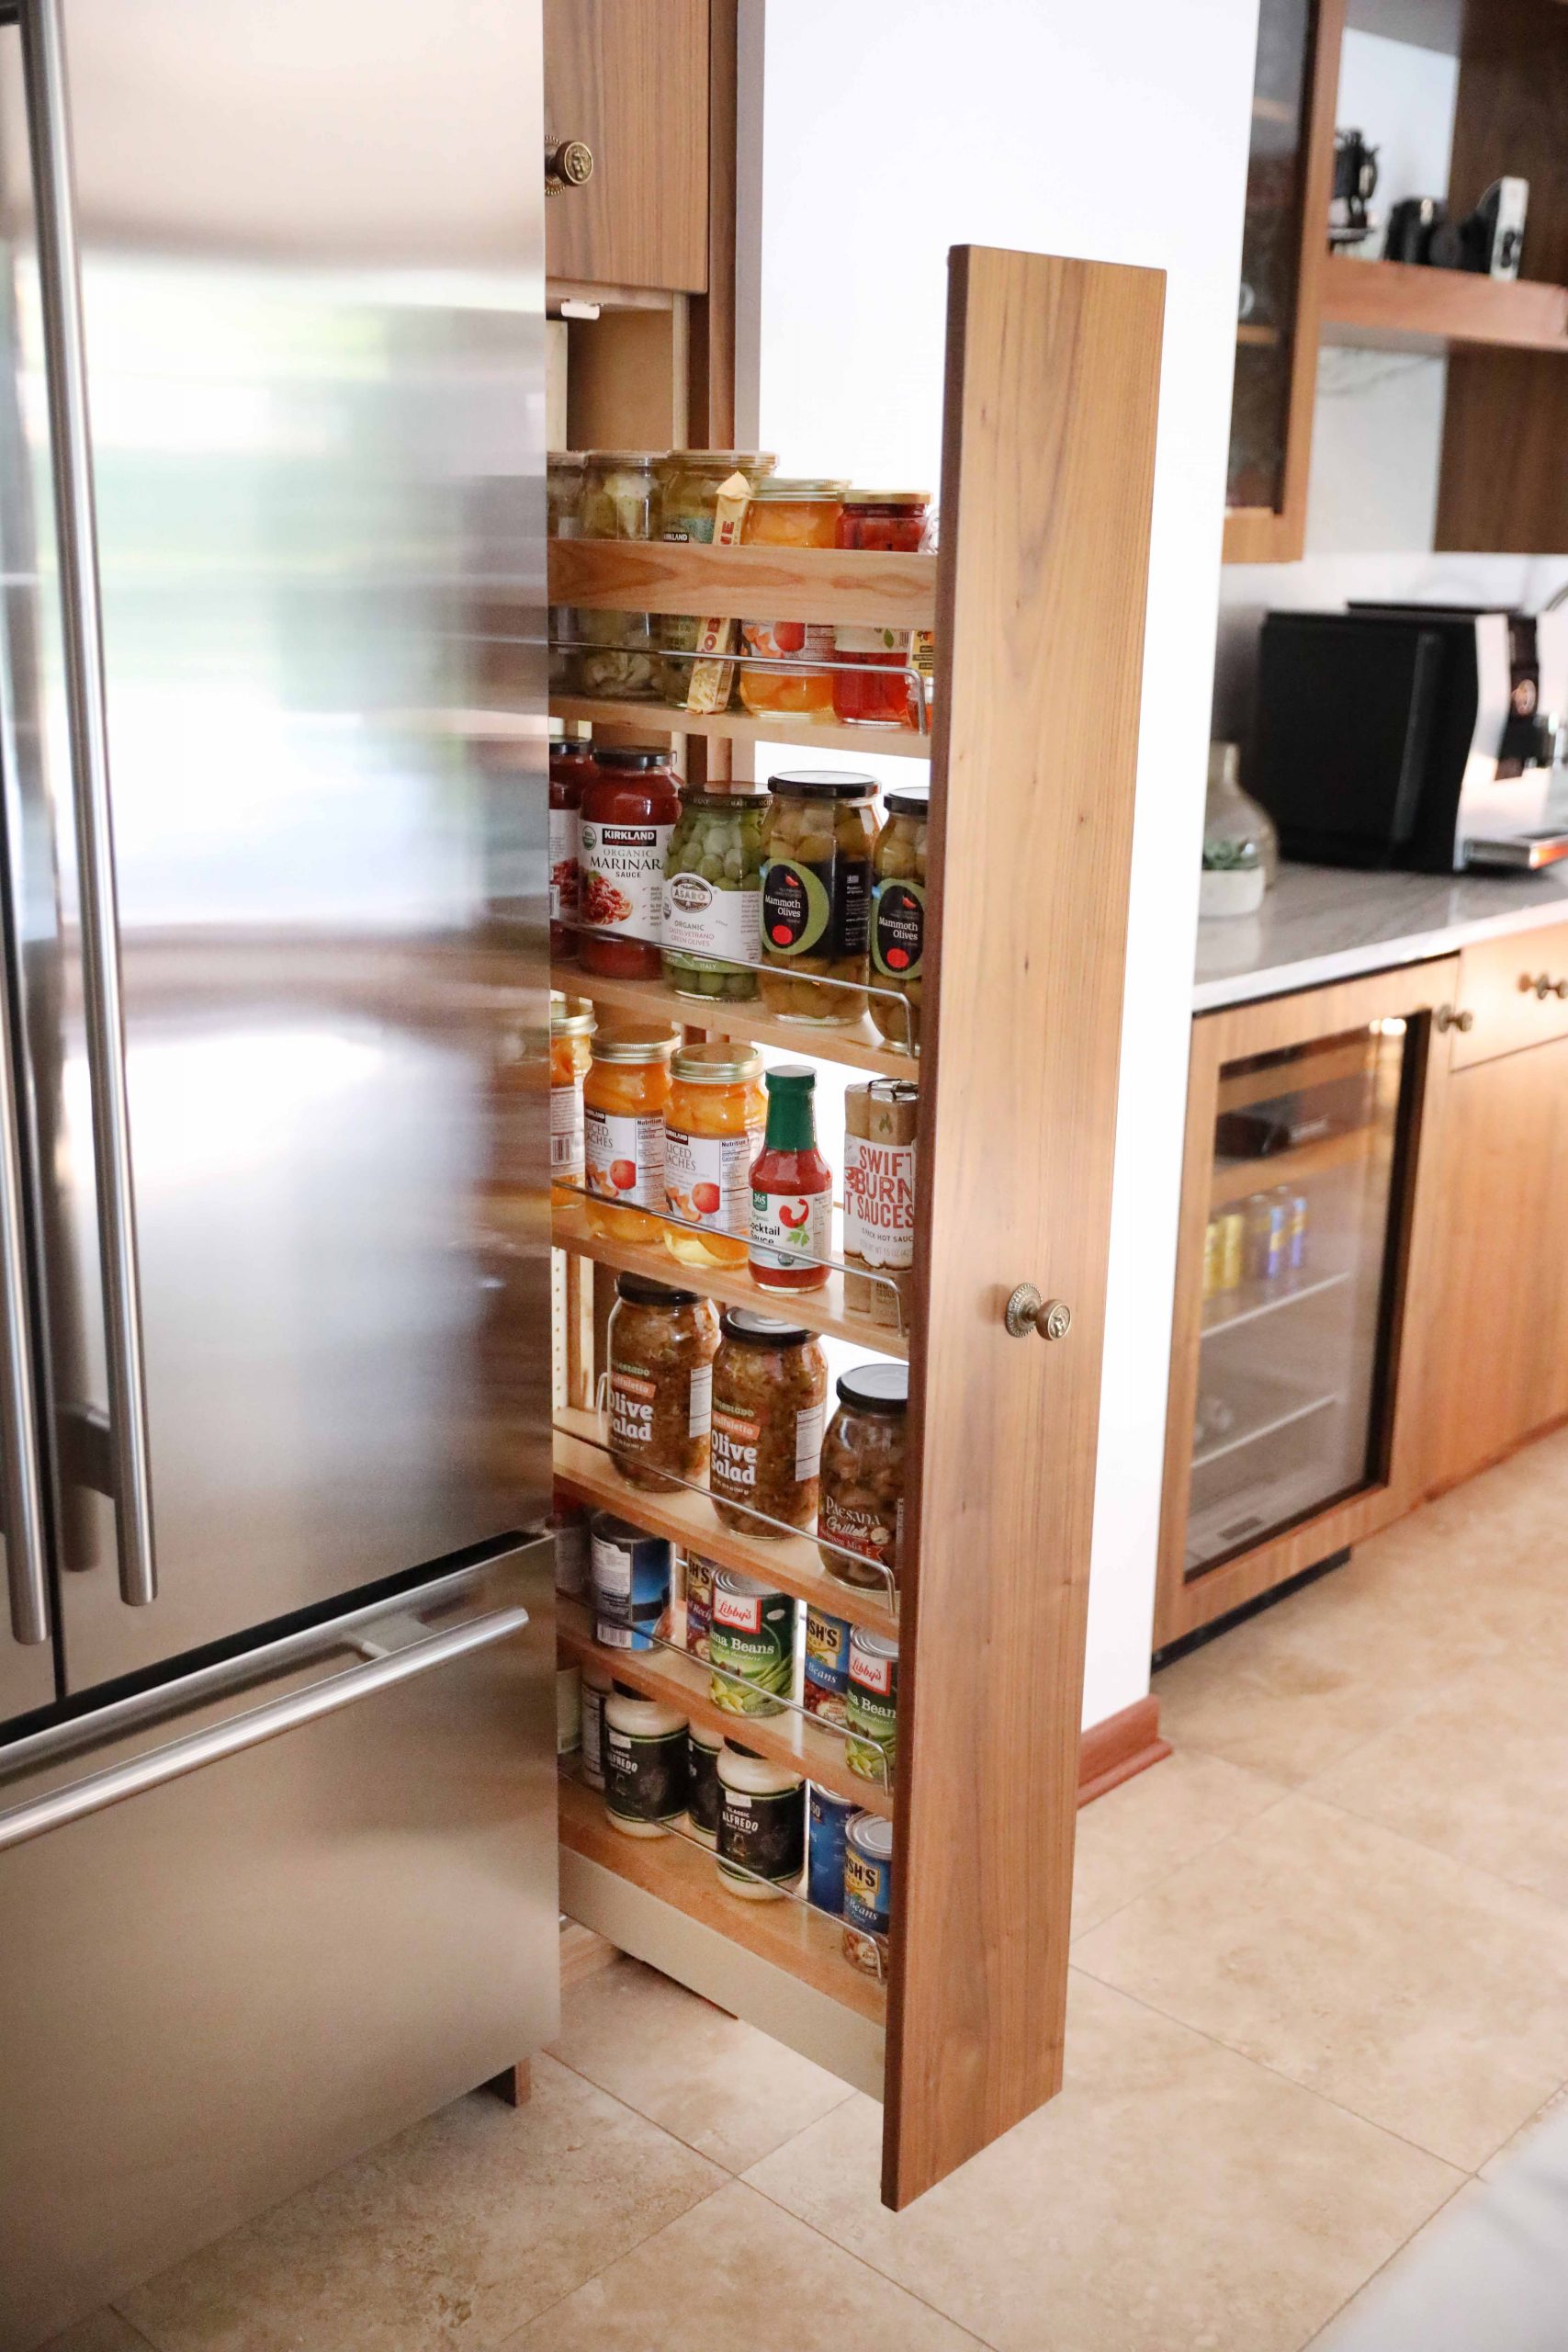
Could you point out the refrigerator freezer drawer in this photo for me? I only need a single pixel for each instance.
(265, 1921)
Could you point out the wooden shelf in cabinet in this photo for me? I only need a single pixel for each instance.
(859, 1047)
(682, 1682)
(1233, 1180)
(805, 1943)
(1403, 306)
(735, 583)
(739, 726)
(819, 1310)
(793, 1564)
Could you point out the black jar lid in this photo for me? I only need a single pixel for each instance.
(754, 1330)
(907, 804)
(875, 1387)
(571, 746)
(632, 755)
(639, 1290)
(823, 784)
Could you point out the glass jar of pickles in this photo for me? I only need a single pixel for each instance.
(713, 884)
(624, 1097)
(714, 1125)
(563, 502)
(816, 910)
(688, 483)
(877, 691)
(571, 1029)
(790, 513)
(617, 661)
(660, 1344)
(898, 916)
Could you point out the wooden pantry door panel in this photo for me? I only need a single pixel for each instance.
(1049, 438)
(630, 79)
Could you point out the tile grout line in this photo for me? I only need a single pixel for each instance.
(847, 2090)
(142, 2337)
(1424, 1846)
(1197, 1855)
(1403, 2247)
(1310, 2090)
(865, 2263)
(624, 2255)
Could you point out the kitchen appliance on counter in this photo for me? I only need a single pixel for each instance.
(277, 1836)
(1424, 737)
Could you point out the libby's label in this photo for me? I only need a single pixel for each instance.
(621, 877)
(699, 919)
(790, 1228)
(899, 929)
(707, 1179)
(564, 824)
(625, 1157)
(879, 1202)
(817, 910)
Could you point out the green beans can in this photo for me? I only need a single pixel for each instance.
(751, 1645)
(871, 1706)
(712, 882)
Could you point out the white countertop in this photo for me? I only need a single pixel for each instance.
(1322, 922)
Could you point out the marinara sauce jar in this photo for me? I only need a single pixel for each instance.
(630, 807)
(571, 764)
(877, 691)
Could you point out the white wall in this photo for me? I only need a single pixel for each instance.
(888, 133)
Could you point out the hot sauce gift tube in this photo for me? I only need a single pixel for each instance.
(880, 1120)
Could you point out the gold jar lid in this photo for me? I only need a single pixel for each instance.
(571, 1016)
(788, 486)
(721, 1062)
(635, 1041)
(887, 498)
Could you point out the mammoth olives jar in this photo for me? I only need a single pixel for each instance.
(770, 1389)
(817, 880)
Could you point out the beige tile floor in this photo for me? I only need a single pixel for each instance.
(1320, 1984)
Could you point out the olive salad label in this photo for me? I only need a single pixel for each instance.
(625, 1157)
(736, 1439)
(622, 876)
(821, 910)
(634, 1395)
(879, 1202)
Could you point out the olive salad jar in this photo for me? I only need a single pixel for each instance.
(817, 839)
(662, 1347)
(770, 1390)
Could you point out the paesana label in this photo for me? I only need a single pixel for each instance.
(788, 1228)
(817, 910)
(626, 1157)
(899, 929)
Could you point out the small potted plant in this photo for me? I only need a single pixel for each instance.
(1233, 878)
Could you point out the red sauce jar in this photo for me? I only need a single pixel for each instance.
(877, 692)
(792, 1188)
(631, 805)
(571, 764)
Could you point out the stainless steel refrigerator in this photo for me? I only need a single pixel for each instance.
(278, 1863)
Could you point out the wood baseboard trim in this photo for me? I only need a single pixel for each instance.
(1121, 1747)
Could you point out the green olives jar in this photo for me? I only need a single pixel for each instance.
(712, 882)
(687, 485)
(816, 910)
(898, 917)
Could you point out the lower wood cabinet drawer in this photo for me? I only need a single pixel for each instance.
(1516, 989)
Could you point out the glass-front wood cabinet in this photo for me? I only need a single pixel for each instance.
(1285, 239)
(1292, 1430)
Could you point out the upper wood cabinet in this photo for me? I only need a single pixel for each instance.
(1284, 244)
(629, 78)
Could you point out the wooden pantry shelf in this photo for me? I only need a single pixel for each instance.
(659, 719)
(858, 1047)
(819, 1310)
(791, 1564)
(683, 1682)
(735, 583)
(806, 1944)
(1403, 306)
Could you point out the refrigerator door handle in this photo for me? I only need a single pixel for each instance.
(49, 129)
(96, 1791)
(27, 1569)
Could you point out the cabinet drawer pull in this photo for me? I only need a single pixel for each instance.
(1027, 1311)
(568, 164)
(1447, 1019)
(1542, 985)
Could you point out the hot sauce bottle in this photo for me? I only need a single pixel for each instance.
(792, 1188)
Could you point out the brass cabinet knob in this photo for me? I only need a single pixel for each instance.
(569, 164)
(1447, 1019)
(1542, 985)
(1027, 1311)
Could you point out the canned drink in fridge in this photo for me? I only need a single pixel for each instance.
(631, 1582)
(868, 1892)
(1268, 1237)
(1213, 1260)
(827, 1821)
(1295, 1206)
(1232, 1247)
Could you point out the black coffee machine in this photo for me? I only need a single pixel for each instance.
(1426, 737)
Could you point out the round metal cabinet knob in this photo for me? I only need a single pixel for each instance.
(568, 165)
(1027, 1311)
(1448, 1019)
